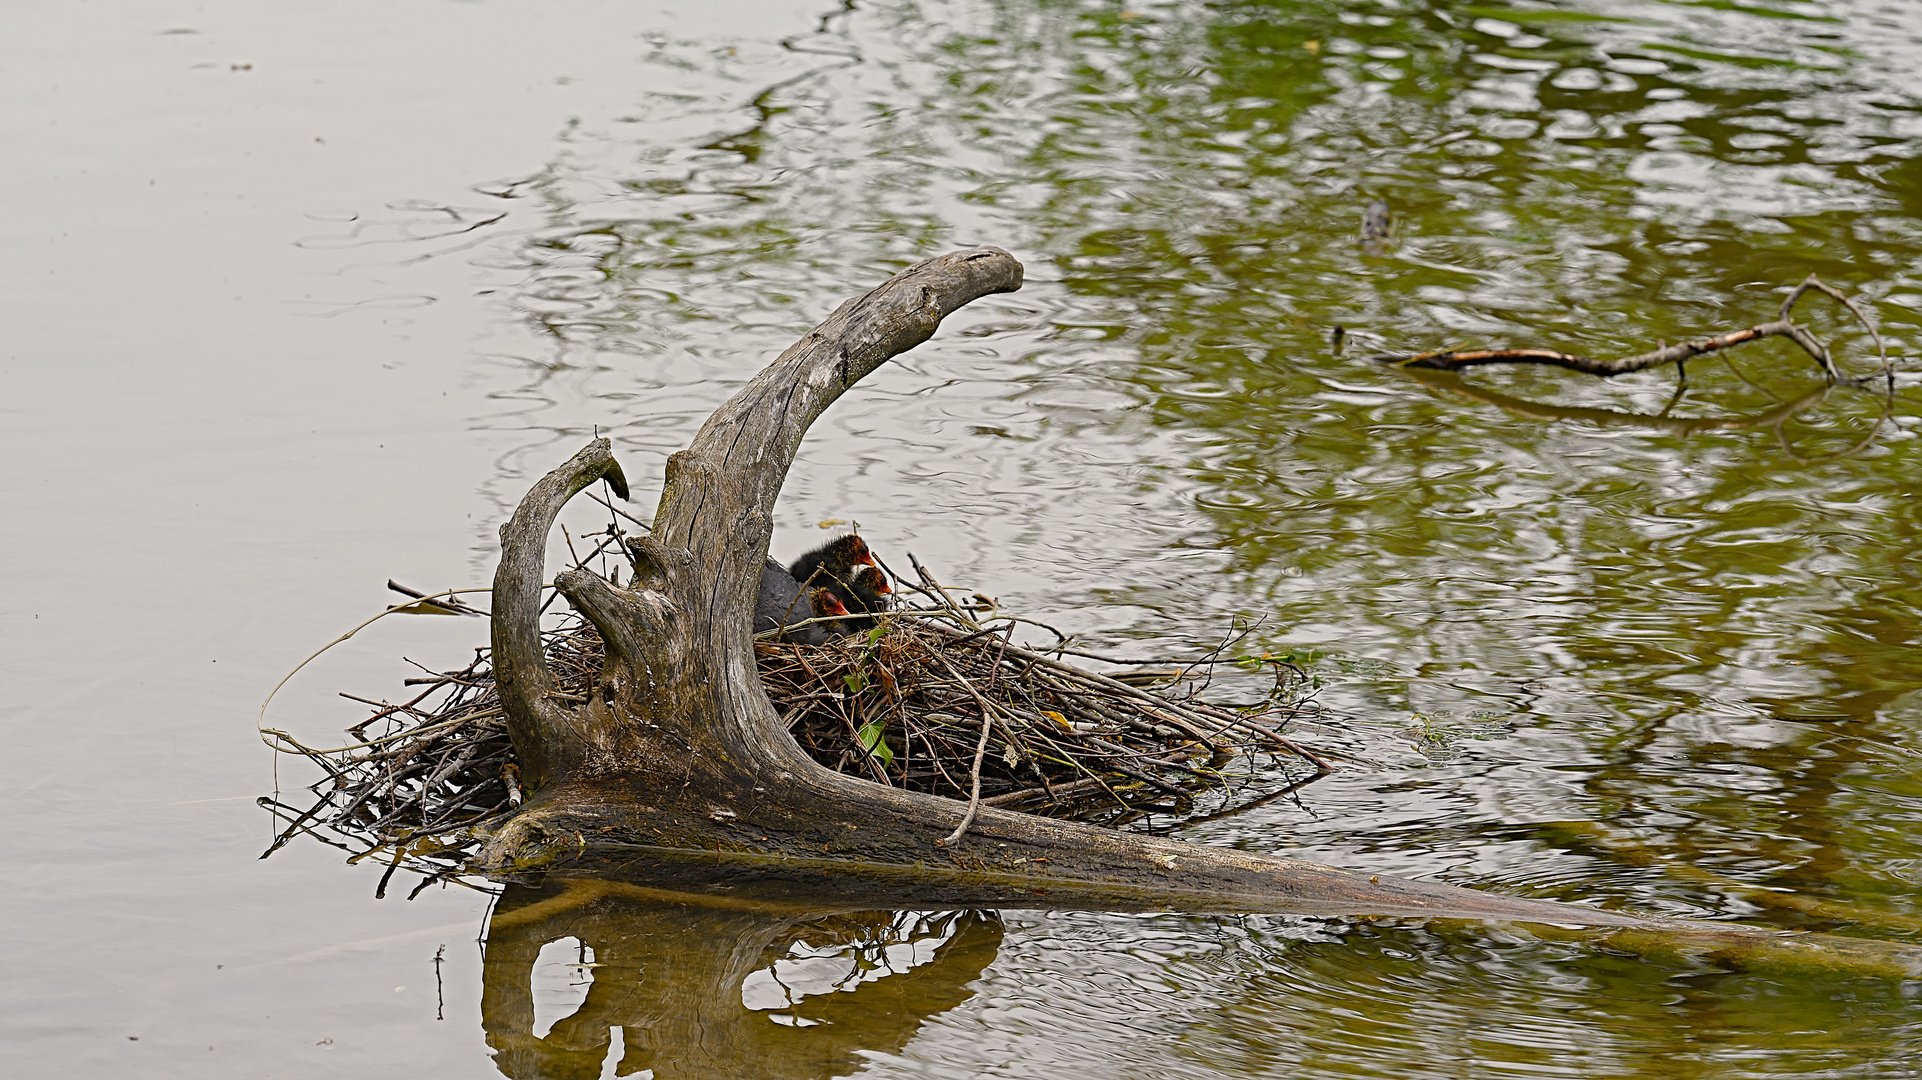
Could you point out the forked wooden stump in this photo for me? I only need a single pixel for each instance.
(678, 773)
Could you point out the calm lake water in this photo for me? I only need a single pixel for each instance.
(299, 299)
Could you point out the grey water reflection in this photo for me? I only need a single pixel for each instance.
(693, 988)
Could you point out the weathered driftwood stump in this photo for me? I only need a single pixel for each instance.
(679, 774)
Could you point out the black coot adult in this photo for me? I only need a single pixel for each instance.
(781, 603)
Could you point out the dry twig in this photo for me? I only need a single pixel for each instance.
(1783, 326)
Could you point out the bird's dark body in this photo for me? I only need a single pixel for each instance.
(781, 603)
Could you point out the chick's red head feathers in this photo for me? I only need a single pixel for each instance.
(873, 580)
(851, 550)
(826, 604)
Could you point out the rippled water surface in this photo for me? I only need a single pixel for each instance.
(299, 300)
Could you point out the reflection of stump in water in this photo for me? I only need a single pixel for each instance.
(668, 971)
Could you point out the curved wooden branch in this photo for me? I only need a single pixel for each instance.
(520, 668)
(1783, 326)
(723, 487)
(680, 690)
(627, 620)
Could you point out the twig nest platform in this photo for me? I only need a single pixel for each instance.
(904, 704)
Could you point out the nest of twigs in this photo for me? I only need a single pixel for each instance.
(936, 697)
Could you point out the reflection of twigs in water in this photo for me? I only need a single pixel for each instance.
(1750, 383)
(1783, 326)
(1451, 382)
(845, 7)
(1888, 408)
(745, 143)
(1774, 419)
